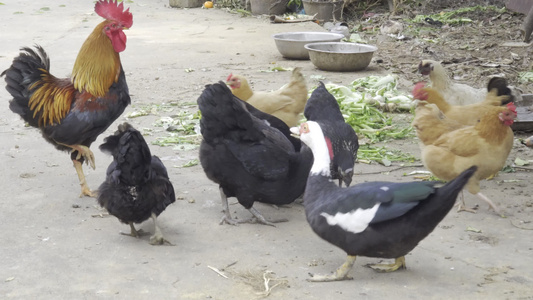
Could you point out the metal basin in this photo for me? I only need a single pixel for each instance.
(291, 44)
(524, 118)
(340, 57)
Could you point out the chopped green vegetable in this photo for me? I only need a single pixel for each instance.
(187, 141)
(453, 18)
(190, 163)
(520, 162)
(363, 101)
(526, 76)
(382, 155)
(277, 69)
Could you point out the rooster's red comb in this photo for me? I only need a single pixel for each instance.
(229, 76)
(511, 107)
(112, 10)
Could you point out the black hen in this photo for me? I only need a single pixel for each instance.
(137, 186)
(246, 156)
(276, 123)
(323, 107)
(373, 219)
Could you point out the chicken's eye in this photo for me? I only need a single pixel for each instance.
(107, 28)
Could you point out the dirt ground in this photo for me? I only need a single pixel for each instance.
(54, 245)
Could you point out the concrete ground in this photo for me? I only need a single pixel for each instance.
(54, 245)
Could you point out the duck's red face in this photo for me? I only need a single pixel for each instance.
(304, 128)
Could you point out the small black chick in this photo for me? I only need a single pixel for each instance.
(323, 107)
(137, 186)
(248, 157)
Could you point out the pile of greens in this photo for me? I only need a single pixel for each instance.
(453, 17)
(364, 102)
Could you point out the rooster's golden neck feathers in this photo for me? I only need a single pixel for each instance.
(97, 66)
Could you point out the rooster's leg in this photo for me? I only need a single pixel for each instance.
(340, 274)
(157, 238)
(84, 151)
(399, 263)
(491, 204)
(85, 190)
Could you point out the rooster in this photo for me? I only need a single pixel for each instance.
(322, 106)
(72, 112)
(137, 186)
(287, 103)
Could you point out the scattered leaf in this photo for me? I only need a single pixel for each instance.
(520, 162)
(472, 229)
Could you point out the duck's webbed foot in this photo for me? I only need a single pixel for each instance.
(340, 274)
(399, 263)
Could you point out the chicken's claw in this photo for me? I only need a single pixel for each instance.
(86, 153)
(86, 191)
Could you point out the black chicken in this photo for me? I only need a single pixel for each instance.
(137, 186)
(323, 107)
(249, 159)
(276, 123)
(373, 219)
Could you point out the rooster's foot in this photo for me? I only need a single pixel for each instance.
(86, 191)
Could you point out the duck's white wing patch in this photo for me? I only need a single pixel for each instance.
(355, 221)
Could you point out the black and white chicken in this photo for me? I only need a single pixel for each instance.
(137, 186)
(323, 107)
(249, 159)
(373, 219)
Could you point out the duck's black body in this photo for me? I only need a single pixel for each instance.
(373, 219)
(248, 157)
(323, 107)
(408, 213)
